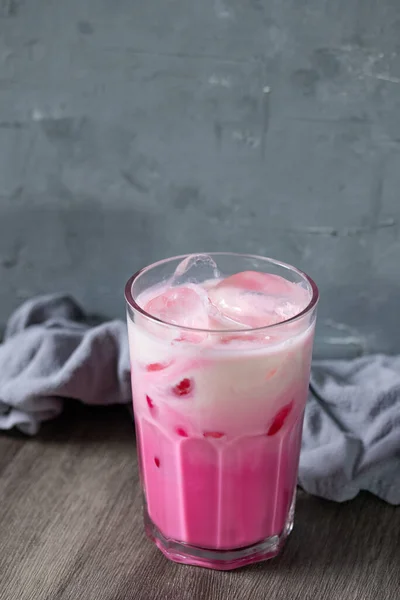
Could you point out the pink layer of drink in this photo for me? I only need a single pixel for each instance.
(219, 414)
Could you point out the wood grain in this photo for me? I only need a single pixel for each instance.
(71, 529)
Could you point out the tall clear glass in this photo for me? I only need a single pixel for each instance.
(219, 417)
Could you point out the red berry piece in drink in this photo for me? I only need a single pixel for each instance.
(181, 432)
(213, 434)
(279, 419)
(156, 367)
(183, 388)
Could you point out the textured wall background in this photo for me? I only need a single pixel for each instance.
(130, 131)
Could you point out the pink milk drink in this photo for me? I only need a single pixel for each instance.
(220, 351)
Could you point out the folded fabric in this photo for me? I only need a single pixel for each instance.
(52, 352)
(351, 434)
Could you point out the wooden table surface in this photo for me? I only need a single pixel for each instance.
(71, 529)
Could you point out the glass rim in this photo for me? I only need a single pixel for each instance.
(131, 302)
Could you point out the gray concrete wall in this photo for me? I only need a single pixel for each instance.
(130, 131)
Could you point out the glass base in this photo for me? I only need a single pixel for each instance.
(221, 560)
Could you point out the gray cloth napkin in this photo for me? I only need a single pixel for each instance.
(351, 435)
(52, 352)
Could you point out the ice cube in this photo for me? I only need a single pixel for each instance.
(258, 299)
(194, 269)
(182, 305)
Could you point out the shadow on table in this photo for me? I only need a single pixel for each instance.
(80, 423)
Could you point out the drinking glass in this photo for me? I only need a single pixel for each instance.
(218, 417)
